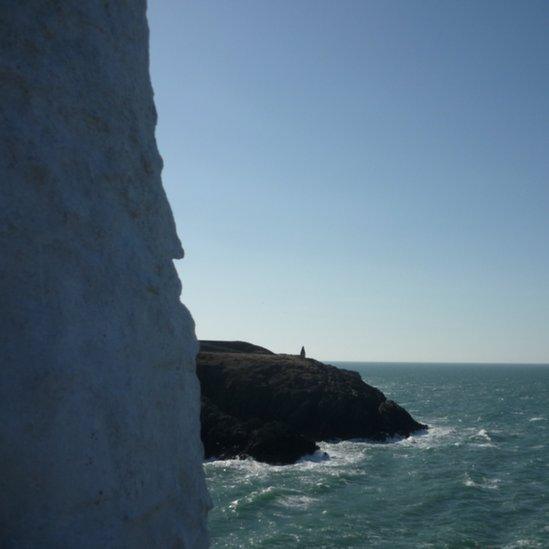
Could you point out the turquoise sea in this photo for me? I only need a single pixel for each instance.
(478, 478)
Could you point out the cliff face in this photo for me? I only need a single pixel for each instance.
(100, 435)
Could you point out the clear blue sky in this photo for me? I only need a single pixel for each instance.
(369, 179)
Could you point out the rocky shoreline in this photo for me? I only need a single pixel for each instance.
(275, 407)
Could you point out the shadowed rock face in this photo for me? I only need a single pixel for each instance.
(100, 434)
(245, 392)
(226, 436)
(207, 346)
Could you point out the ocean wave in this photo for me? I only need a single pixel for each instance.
(340, 453)
(540, 418)
(422, 439)
(246, 468)
(485, 483)
(523, 543)
(284, 497)
(434, 436)
(318, 457)
(297, 502)
(355, 451)
(483, 433)
(484, 438)
(257, 496)
(345, 452)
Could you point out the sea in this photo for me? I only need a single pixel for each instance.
(479, 477)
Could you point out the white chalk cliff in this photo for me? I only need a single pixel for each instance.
(99, 402)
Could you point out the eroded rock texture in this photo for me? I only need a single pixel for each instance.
(99, 402)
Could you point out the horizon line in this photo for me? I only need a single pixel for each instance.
(471, 363)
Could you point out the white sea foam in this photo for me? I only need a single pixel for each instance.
(436, 435)
(523, 543)
(297, 502)
(485, 483)
(318, 457)
(272, 494)
(334, 455)
(541, 418)
(346, 452)
(246, 468)
(330, 455)
(339, 454)
(483, 433)
(252, 498)
(484, 439)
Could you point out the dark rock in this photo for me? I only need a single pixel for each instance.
(275, 443)
(232, 347)
(395, 420)
(225, 436)
(274, 407)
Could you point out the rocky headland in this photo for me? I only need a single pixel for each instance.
(275, 407)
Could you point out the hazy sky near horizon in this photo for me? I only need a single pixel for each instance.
(369, 179)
